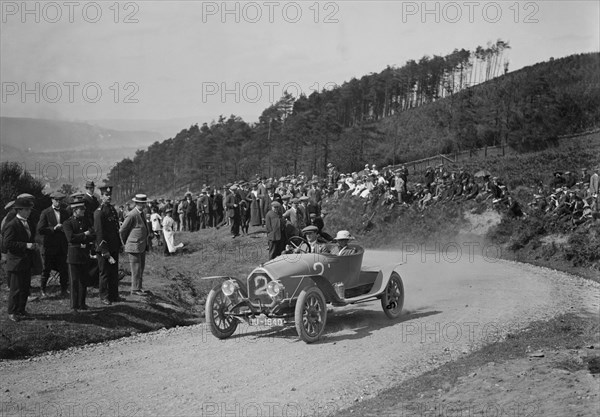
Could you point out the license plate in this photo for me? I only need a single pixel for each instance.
(266, 321)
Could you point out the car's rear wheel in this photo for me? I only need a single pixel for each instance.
(310, 314)
(392, 299)
(217, 304)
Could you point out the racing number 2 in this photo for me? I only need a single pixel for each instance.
(260, 284)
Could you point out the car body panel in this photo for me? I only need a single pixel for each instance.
(297, 272)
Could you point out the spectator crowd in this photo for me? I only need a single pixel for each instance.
(84, 238)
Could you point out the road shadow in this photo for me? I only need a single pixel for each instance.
(363, 323)
(359, 322)
(138, 315)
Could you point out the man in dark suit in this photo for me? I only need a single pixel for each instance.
(275, 230)
(135, 234)
(18, 239)
(203, 208)
(217, 207)
(55, 243)
(79, 234)
(108, 244)
(90, 200)
(232, 202)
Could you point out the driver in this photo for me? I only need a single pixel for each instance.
(342, 249)
(311, 235)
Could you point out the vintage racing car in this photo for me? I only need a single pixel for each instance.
(298, 287)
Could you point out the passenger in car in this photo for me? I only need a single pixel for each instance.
(342, 238)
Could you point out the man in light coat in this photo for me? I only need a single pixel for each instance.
(135, 234)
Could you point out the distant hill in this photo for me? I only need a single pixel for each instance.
(42, 135)
(166, 128)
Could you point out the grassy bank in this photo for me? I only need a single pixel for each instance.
(178, 296)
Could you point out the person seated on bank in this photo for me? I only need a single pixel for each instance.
(311, 235)
(342, 238)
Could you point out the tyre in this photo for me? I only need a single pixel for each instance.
(310, 314)
(217, 304)
(392, 299)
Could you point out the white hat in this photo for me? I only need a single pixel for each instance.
(343, 234)
(140, 198)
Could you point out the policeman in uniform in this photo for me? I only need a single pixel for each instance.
(108, 245)
(80, 235)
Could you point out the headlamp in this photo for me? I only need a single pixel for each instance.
(229, 287)
(274, 289)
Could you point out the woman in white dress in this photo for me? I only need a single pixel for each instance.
(168, 228)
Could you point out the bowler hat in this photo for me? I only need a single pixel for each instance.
(22, 203)
(140, 198)
(89, 184)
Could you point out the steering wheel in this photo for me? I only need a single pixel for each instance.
(297, 241)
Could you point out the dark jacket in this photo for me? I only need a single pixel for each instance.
(55, 242)
(91, 204)
(15, 239)
(231, 199)
(79, 242)
(106, 226)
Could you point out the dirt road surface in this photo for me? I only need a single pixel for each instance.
(454, 304)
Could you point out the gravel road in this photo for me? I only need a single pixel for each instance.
(454, 303)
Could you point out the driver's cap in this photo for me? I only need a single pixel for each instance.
(309, 229)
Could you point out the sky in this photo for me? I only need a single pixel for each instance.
(196, 60)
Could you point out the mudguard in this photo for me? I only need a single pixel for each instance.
(222, 278)
(383, 277)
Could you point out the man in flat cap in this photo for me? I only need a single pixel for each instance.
(311, 234)
(80, 235)
(18, 239)
(108, 245)
(135, 233)
(275, 230)
(54, 248)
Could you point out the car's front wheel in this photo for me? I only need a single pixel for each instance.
(310, 314)
(392, 299)
(217, 304)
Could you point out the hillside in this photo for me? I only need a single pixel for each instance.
(41, 135)
(527, 110)
(539, 238)
(376, 120)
